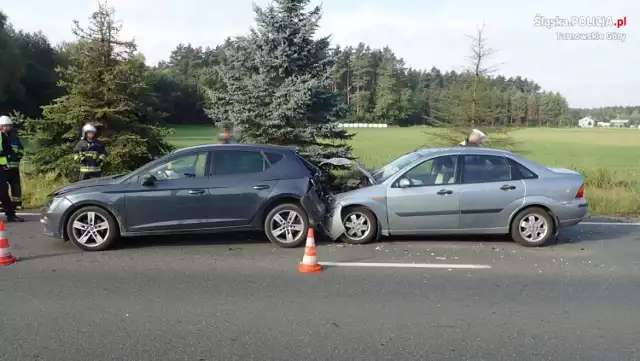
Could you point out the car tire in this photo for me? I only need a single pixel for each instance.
(104, 234)
(533, 227)
(293, 232)
(365, 229)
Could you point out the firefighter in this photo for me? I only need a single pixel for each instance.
(13, 160)
(475, 139)
(90, 153)
(7, 205)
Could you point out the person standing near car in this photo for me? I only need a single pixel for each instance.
(226, 137)
(7, 205)
(13, 160)
(90, 153)
(475, 139)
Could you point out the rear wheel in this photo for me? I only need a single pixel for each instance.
(92, 229)
(360, 226)
(286, 225)
(532, 227)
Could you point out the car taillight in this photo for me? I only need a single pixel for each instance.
(580, 193)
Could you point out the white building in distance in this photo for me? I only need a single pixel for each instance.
(619, 122)
(586, 122)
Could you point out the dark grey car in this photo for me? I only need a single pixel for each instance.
(199, 189)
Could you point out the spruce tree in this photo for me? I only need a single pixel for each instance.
(277, 84)
(105, 86)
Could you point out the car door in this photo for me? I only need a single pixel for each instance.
(176, 200)
(429, 202)
(490, 193)
(240, 183)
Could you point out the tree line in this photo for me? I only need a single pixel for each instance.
(375, 84)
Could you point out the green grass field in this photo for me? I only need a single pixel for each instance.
(609, 158)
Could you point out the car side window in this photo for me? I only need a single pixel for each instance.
(485, 168)
(436, 171)
(524, 172)
(228, 162)
(188, 166)
(273, 157)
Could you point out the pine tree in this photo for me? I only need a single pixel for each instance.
(392, 102)
(105, 85)
(278, 82)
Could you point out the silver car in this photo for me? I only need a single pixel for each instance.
(459, 191)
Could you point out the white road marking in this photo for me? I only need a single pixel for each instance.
(609, 224)
(28, 214)
(406, 265)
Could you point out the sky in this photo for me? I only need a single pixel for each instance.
(425, 33)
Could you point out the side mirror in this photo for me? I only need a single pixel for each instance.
(404, 183)
(148, 180)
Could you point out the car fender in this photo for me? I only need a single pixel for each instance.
(540, 201)
(366, 197)
(103, 200)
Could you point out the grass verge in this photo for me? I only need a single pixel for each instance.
(36, 189)
(611, 193)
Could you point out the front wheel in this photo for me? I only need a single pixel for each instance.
(360, 226)
(92, 229)
(286, 225)
(532, 227)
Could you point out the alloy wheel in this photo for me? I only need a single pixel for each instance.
(357, 226)
(287, 226)
(533, 227)
(91, 229)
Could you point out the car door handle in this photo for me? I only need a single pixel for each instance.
(443, 192)
(261, 187)
(507, 187)
(196, 191)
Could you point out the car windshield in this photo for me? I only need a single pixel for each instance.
(394, 166)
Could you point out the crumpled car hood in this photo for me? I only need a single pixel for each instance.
(345, 161)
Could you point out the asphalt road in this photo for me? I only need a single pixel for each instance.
(239, 298)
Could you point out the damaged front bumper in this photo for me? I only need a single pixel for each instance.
(332, 224)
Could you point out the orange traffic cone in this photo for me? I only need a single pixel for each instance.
(5, 253)
(309, 262)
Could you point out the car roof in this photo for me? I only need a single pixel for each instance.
(237, 146)
(463, 150)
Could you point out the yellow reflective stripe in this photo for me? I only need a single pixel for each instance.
(90, 169)
(102, 156)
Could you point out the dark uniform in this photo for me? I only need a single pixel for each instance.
(13, 173)
(467, 143)
(91, 155)
(7, 205)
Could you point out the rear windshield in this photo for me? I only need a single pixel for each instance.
(312, 168)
